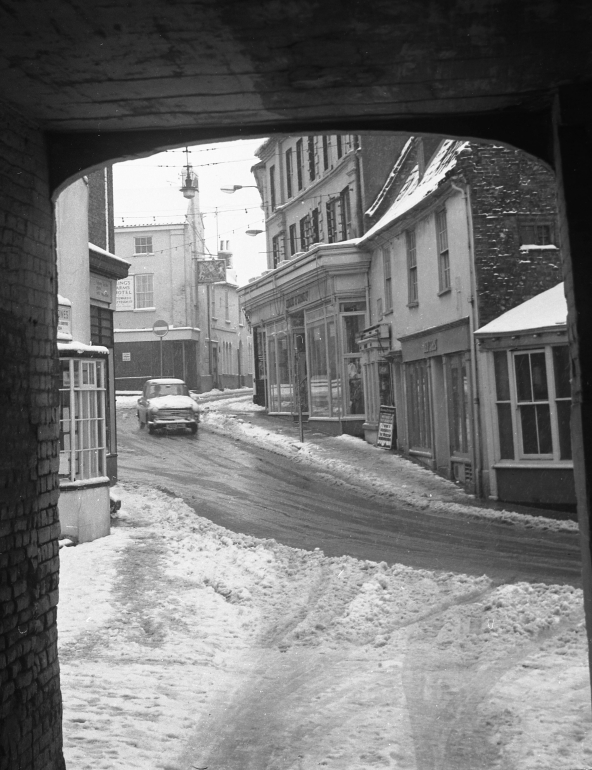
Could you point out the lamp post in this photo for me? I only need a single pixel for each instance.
(233, 188)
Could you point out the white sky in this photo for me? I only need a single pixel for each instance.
(147, 191)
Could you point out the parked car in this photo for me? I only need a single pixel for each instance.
(166, 403)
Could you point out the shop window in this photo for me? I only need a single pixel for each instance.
(144, 291)
(388, 279)
(272, 193)
(316, 341)
(412, 290)
(443, 253)
(311, 158)
(352, 328)
(83, 445)
(289, 171)
(417, 383)
(300, 164)
(278, 370)
(458, 404)
(533, 393)
(143, 245)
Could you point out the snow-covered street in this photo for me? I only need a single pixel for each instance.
(184, 645)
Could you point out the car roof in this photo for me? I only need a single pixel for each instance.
(166, 381)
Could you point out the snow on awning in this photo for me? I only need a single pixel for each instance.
(546, 311)
(415, 190)
(81, 349)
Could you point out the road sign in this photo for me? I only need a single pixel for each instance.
(160, 328)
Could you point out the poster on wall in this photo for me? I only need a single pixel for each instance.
(386, 426)
(124, 296)
(211, 270)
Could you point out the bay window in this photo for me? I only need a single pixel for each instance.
(83, 442)
(533, 398)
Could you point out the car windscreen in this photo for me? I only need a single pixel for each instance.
(167, 389)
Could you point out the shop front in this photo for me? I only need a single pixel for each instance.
(436, 397)
(306, 317)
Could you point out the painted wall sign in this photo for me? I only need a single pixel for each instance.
(100, 288)
(211, 270)
(430, 346)
(124, 296)
(387, 421)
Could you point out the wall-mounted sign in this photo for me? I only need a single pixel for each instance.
(124, 296)
(126, 356)
(64, 322)
(430, 346)
(100, 288)
(211, 270)
(387, 422)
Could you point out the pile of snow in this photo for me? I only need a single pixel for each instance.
(178, 638)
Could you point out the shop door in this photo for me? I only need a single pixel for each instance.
(458, 388)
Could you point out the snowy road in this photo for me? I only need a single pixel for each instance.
(184, 644)
(250, 490)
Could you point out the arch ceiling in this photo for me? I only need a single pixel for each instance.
(204, 68)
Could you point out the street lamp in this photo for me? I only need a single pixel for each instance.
(253, 233)
(236, 187)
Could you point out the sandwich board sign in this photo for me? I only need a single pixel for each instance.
(386, 426)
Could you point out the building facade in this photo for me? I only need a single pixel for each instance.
(461, 233)
(207, 344)
(524, 361)
(88, 436)
(307, 309)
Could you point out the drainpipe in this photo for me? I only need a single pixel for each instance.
(473, 325)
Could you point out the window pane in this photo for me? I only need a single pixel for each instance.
(272, 375)
(530, 443)
(334, 370)
(539, 377)
(564, 426)
(354, 384)
(319, 394)
(502, 380)
(352, 326)
(285, 385)
(506, 434)
(523, 381)
(536, 429)
(562, 371)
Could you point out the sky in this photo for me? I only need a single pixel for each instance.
(147, 191)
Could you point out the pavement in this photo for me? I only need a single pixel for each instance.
(451, 492)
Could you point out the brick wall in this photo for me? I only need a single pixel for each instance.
(100, 209)
(509, 189)
(30, 701)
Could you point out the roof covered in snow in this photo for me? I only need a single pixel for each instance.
(415, 190)
(545, 311)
